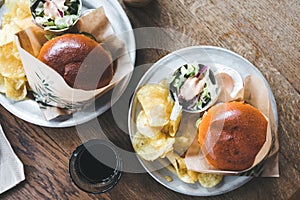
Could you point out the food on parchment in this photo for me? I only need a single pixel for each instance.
(231, 135)
(80, 60)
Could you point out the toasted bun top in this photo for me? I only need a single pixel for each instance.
(80, 60)
(231, 134)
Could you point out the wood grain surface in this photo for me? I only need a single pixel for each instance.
(265, 32)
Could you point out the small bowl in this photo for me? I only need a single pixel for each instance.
(194, 73)
(34, 5)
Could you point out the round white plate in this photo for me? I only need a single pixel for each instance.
(210, 56)
(29, 111)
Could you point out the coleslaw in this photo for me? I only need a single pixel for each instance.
(189, 84)
(55, 14)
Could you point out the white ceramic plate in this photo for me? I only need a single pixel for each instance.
(207, 55)
(29, 111)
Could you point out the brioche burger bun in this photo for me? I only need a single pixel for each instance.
(80, 60)
(231, 135)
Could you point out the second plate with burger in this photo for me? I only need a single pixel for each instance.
(163, 127)
(29, 110)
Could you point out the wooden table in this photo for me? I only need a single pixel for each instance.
(265, 32)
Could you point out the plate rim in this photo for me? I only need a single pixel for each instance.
(157, 63)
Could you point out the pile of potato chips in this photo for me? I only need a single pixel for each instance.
(188, 176)
(157, 126)
(13, 80)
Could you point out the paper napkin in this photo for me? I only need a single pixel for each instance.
(11, 168)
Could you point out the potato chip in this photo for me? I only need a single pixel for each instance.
(209, 180)
(11, 65)
(3, 37)
(7, 34)
(175, 118)
(2, 84)
(23, 12)
(183, 173)
(18, 7)
(13, 81)
(7, 18)
(11, 5)
(156, 103)
(192, 174)
(152, 148)
(144, 128)
(157, 124)
(15, 90)
(10, 30)
(168, 178)
(24, 23)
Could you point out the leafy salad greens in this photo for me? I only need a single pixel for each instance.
(55, 14)
(189, 84)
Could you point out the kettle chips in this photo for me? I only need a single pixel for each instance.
(13, 81)
(157, 125)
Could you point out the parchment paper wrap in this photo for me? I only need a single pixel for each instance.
(255, 93)
(50, 89)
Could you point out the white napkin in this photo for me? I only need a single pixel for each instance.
(11, 168)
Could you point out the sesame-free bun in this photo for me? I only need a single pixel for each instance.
(231, 134)
(80, 60)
